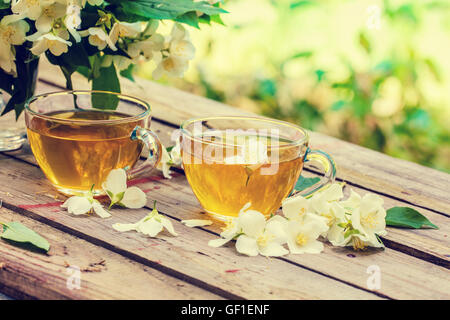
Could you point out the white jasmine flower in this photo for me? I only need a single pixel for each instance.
(49, 41)
(31, 9)
(7, 59)
(196, 223)
(295, 208)
(50, 13)
(150, 225)
(325, 203)
(148, 48)
(177, 52)
(302, 236)
(254, 235)
(73, 21)
(84, 204)
(169, 159)
(134, 198)
(175, 153)
(116, 188)
(125, 30)
(165, 163)
(99, 38)
(11, 34)
(252, 152)
(120, 62)
(363, 223)
(170, 66)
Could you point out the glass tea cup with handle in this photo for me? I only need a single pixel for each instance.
(77, 141)
(231, 161)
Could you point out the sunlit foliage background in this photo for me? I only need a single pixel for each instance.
(326, 66)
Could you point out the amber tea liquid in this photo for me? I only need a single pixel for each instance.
(223, 189)
(75, 156)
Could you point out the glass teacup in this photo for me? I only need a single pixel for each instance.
(76, 143)
(231, 161)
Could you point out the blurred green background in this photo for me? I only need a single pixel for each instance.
(375, 73)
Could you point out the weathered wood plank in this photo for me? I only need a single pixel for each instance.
(431, 245)
(400, 271)
(186, 257)
(104, 274)
(404, 180)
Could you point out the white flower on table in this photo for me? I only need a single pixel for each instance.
(302, 235)
(116, 188)
(78, 205)
(325, 203)
(150, 225)
(366, 221)
(303, 227)
(254, 235)
(99, 38)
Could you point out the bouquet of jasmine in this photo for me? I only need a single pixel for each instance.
(98, 39)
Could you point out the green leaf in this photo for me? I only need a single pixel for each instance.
(128, 72)
(350, 232)
(297, 4)
(364, 42)
(189, 18)
(17, 232)
(338, 105)
(24, 84)
(407, 218)
(304, 183)
(4, 5)
(320, 74)
(159, 9)
(106, 81)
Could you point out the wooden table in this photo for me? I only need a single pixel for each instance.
(132, 266)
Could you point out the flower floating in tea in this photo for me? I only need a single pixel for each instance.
(252, 153)
(150, 225)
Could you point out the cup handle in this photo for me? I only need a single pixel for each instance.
(151, 141)
(329, 168)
